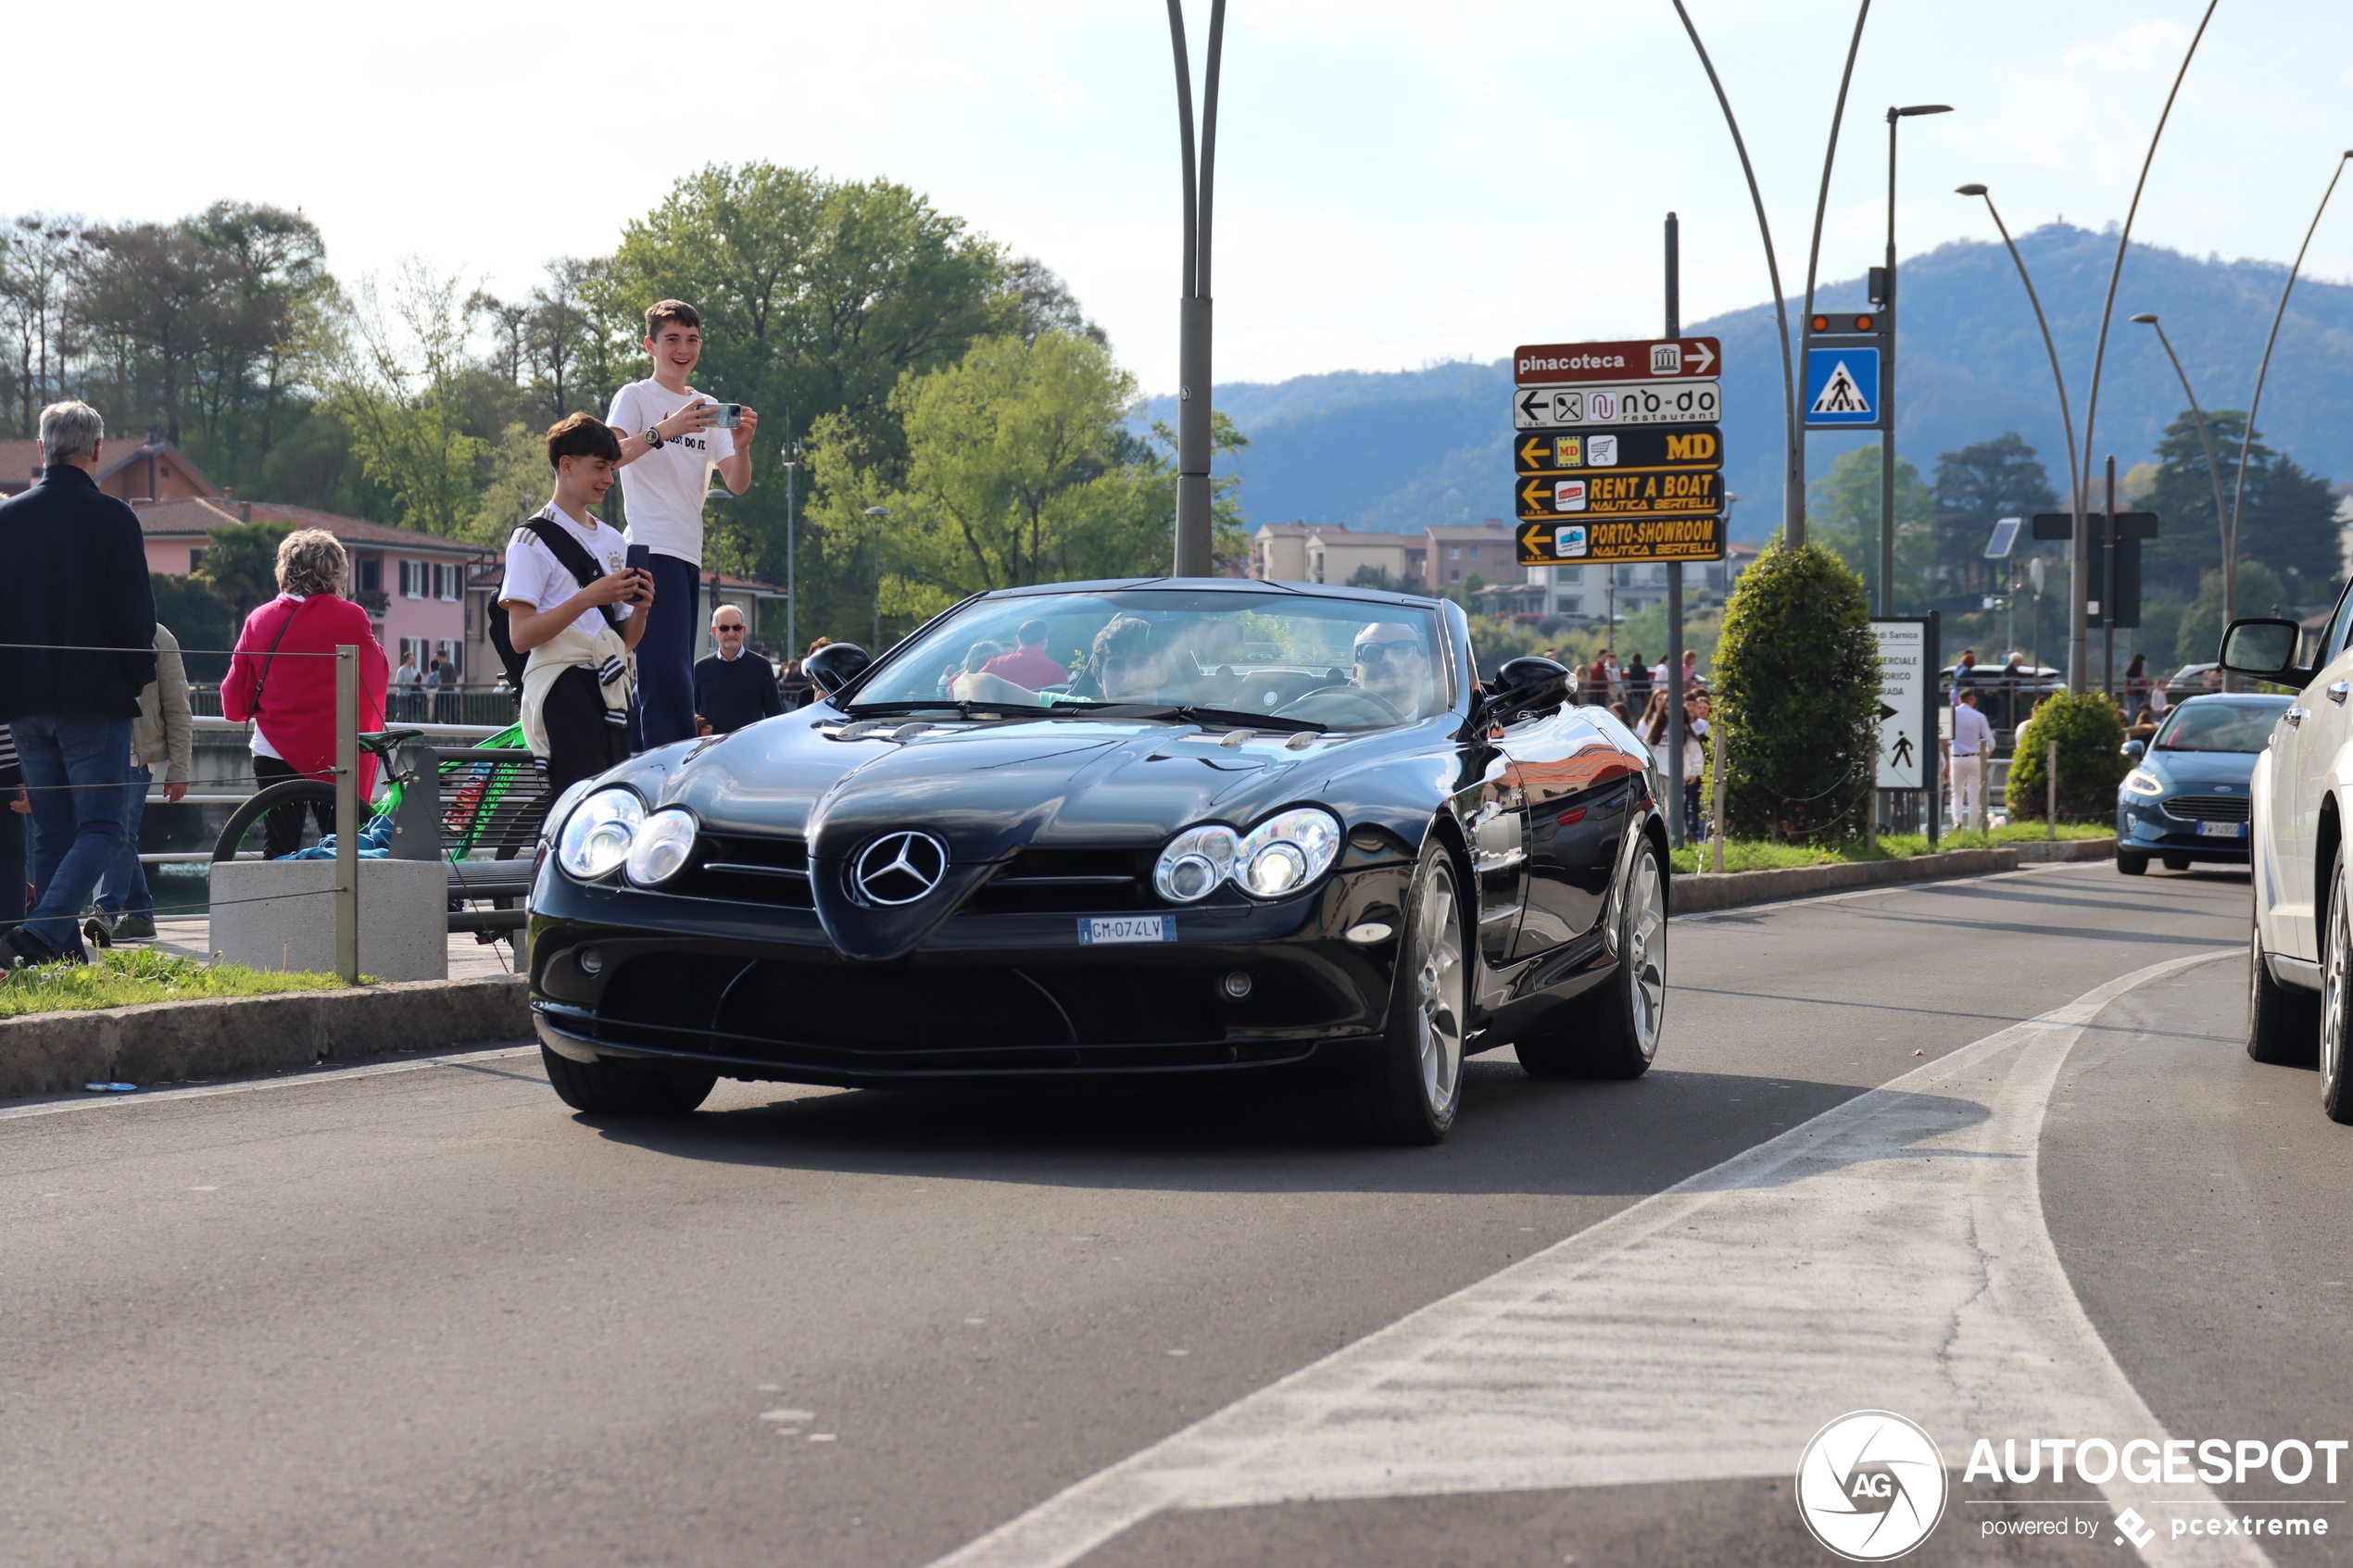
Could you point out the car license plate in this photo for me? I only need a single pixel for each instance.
(2221, 830)
(1104, 932)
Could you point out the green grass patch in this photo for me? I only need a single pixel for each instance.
(127, 977)
(1758, 855)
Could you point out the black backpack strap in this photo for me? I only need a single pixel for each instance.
(571, 555)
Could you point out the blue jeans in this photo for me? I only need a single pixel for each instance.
(75, 769)
(11, 868)
(666, 653)
(125, 889)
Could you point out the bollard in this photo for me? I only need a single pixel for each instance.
(1985, 776)
(347, 803)
(1719, 731)
(2050, 788)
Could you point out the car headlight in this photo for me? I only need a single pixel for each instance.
(1195, 863)
(661, 846)
(1287, 851)
(2140, 781)
(596, 835)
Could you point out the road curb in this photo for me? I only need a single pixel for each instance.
(1731, 890)
(221, 1036)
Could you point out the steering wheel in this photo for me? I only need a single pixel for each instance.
(1380, 710)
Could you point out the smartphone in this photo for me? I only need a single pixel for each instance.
(727, 416)
(640, 557)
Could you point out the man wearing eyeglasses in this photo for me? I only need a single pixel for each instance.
(1391, 666)
(732, 688)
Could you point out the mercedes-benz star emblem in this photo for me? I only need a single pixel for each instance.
(900, 868)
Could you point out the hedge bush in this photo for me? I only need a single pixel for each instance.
(1797, 684)
(2091, 759)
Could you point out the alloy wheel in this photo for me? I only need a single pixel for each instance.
(2332, 996)
(1437, 993)
(1644, 954)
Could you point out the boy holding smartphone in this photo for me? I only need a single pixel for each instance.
(670, 439)
(578, 627)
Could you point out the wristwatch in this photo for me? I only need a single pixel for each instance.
(653, 436)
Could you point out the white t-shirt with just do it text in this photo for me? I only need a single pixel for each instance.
(662, 490)
(535, 577)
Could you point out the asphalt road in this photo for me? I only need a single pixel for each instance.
(1987, 1154)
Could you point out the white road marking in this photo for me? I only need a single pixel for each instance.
(290, 1080)
(1739, 911)
(1705, 1331)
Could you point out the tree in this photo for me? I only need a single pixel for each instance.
(2198, 637)
(155, 295)
(398, 388)
(1842, 510)
(1046, 303)
(241, 565)
(40, 254)
(1797, 686)
(200, 619)
(1976, 487)
(2288, 519)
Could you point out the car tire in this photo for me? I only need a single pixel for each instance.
(2283, 1022)
(1409, 1091)
(2177, 862)
(2131, 865)
(627, 1088)
(2337, 955)
(1612, 1031)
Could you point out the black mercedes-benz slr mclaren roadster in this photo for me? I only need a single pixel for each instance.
(1115, 829)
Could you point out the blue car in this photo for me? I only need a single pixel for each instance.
(2186, 798)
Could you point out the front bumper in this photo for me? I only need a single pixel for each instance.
(2142, 827)
(758, 992)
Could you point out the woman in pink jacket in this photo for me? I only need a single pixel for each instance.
(277, 681)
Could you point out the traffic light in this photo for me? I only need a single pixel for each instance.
(1865, 323)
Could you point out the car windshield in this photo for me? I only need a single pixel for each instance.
(2220, 727)
(1301, 659)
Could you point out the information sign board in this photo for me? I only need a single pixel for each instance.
(1644, 539)
(1907, 704)
(1613, 492)
(1627, 403)
(1644, 446)
(1539, 364)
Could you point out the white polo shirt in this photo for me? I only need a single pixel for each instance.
(1972, 732)
(535, 577)
(662, 490)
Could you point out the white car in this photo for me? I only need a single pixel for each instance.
(2302, 946)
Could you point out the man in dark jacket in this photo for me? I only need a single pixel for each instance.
(732, 687)
(76, 587)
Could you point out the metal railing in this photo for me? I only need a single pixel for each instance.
(492, 707)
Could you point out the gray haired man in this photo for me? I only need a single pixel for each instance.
(77, 605)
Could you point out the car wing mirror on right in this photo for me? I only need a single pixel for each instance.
(2265, 649)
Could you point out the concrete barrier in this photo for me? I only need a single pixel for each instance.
(224, 1037)
(1691, 894)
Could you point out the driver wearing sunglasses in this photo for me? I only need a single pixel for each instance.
(1391, 665)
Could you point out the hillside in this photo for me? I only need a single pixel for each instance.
(1401, 450)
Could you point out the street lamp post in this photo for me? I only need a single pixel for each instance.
(1793, 450)
(792, 588)
(2067, 420)
(2078, 631)
(1887, 371)
(877, 514)
(1193, 388)
(2213, 472)
(2246, 441)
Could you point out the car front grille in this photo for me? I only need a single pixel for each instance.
(747, 869)
(1062, 882)
(2207, 807)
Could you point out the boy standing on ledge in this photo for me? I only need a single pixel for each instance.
(669, 445)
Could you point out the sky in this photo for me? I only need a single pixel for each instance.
(1398, 183)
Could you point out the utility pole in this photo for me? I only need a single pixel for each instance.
(1884, 297)
(792, 588)
(1674, 581)
(1193, 533)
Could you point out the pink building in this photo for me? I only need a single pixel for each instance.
(412, 585)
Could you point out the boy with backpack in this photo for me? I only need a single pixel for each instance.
(572, 612)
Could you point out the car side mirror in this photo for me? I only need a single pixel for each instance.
(2135, 749)
(836, 665)
(2265, 649)
(1529, 684)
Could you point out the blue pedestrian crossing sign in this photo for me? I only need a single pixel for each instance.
(1842, 388)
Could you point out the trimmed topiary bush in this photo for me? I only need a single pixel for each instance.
(1797, 684)
(2091, 759)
